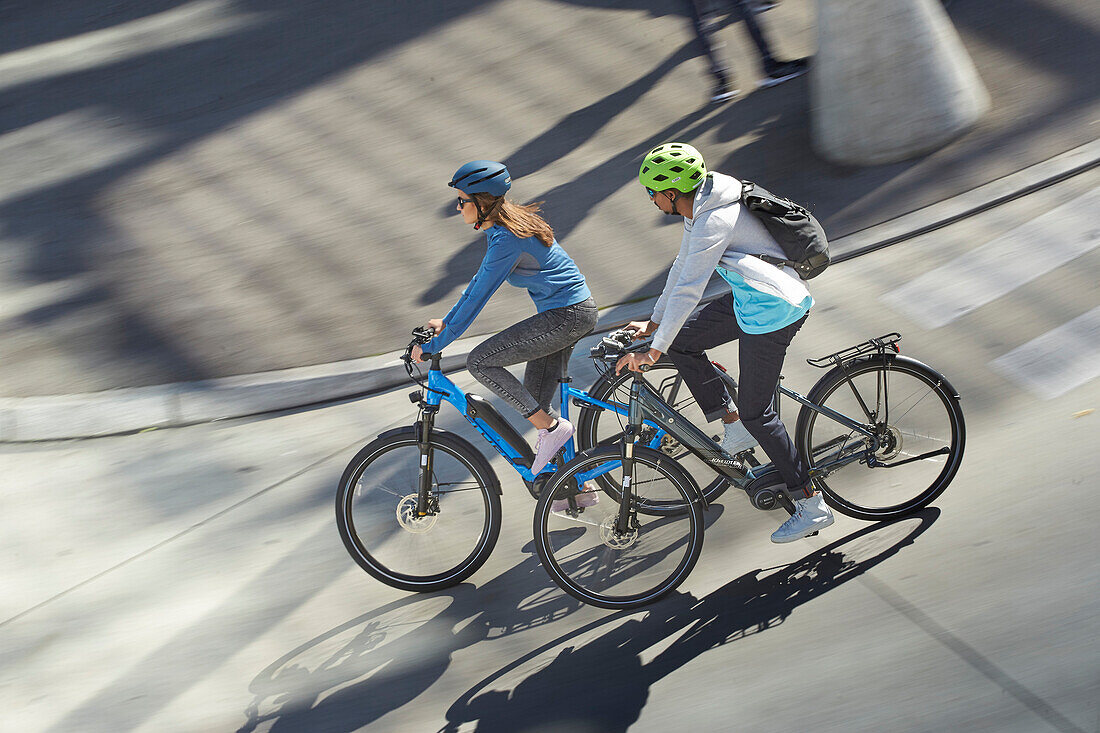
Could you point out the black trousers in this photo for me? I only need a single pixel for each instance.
(760, 361)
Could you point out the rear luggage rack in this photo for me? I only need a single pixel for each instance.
(867, 347)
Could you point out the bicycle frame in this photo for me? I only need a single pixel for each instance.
(648, 407)
(645, 407)
(504, 440)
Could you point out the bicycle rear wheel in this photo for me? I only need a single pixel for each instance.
(375, 511)
(591, 561)
(918, 419)
(597, 428)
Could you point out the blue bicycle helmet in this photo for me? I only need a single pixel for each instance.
(482, 176)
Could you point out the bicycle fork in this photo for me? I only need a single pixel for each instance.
(425, 503)
(626, 520)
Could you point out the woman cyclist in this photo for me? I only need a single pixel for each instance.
(521, 249)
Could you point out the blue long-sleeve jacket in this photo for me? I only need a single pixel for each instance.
(548, 273)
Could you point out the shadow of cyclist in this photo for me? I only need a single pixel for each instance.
(612, 665)
(382, 659)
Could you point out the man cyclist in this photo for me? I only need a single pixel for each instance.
(764, 309)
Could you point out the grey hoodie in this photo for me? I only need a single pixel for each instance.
(720, 233)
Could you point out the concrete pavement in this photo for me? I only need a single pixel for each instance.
(189, 189)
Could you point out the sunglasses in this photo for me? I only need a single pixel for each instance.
(462, 202)
(651, 192)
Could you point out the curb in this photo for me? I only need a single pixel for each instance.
(136, 409)
(129, 410)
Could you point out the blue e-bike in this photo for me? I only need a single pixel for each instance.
(419, 508)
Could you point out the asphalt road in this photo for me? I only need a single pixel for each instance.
(193, 580)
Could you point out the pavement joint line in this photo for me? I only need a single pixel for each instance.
(1030, 700)
(182, 533)
(134, 409)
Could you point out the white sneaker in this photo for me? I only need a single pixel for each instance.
(736, 438)
(810, 515)
(550, 442)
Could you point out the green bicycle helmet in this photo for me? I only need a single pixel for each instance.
(673, 165)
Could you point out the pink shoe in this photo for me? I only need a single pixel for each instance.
(550, 442)
(589, 496)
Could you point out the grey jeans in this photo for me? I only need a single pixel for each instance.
(545, 341)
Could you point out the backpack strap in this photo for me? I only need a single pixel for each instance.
(771, 205)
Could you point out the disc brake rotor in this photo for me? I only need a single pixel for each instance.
(406, 516)
(616, 540)
(890, 442)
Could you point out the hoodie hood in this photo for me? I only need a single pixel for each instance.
(717, 190)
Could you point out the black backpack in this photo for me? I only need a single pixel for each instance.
(798, 233)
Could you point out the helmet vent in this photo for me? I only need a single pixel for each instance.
(676, 165)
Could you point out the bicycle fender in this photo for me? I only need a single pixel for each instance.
(947, 386)
(828, 377)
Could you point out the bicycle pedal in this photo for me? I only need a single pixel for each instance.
(812, 534)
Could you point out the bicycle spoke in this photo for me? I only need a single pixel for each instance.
(591, 558)
(386, 529)
(917, 440)
(902, 416)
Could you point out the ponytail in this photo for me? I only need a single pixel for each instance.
(523, 221)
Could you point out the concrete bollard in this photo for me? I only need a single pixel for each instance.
(890, 81)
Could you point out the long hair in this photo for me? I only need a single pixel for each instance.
(523, 221)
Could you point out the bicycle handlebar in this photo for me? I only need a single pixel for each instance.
(421, 335)
(615, 345)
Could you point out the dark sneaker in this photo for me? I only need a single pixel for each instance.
(550, 442)
(784, 72)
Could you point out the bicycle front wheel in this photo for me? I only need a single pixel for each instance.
(586, 553)
(376, 511)
(921, 434)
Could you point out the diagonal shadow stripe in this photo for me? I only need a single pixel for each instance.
(971, 656)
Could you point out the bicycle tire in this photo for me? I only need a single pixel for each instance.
(397, 548)
(881, 493)
(611, 387)
(587, 559)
